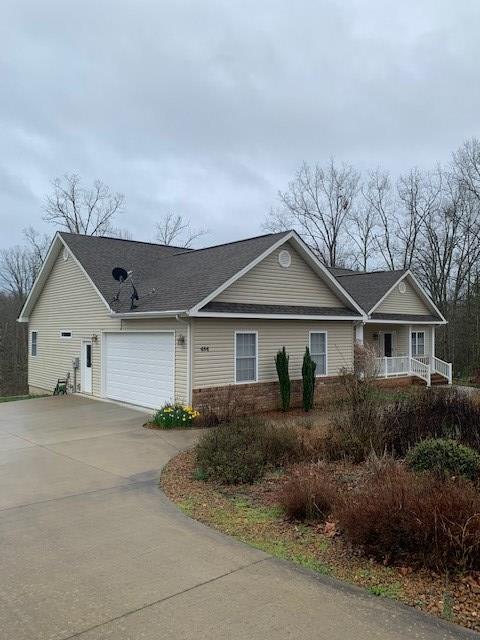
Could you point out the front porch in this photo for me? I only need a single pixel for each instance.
(405, 350)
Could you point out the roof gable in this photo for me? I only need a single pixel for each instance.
(270, 283)
(403, 299)
(367, 288)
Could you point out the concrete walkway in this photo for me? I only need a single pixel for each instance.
(90, 548)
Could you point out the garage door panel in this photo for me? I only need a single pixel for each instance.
(139, 368)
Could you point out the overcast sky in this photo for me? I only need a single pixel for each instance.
(207, 108)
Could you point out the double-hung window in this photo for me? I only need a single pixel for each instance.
(418, 343)
(33, 344)
(246, 356)
(318, 351)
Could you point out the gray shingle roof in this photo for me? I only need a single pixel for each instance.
(167, 278)
(410, 317)
(237, 307)
(367, 288)
(340, 271)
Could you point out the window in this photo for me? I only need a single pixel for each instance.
(318, 351)
(418, 343)
(33, 344)
(245, 357)
(65, 334)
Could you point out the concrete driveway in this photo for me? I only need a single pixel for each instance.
(90, 548)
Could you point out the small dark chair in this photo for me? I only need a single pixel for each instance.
(62, 385)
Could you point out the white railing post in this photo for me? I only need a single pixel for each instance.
(385, 366)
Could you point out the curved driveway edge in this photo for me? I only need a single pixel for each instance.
(91, 548)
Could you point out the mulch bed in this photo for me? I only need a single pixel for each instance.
(250, 513)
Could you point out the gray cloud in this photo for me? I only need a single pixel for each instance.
(207, 108)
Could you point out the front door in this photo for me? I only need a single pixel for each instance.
(388, 345)
(87, 366)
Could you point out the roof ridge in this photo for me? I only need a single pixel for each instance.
(153, 244)
(225, 244)
(369, 273)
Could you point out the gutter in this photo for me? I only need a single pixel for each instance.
(147, 314)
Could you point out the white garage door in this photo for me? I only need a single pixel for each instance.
(139, 368)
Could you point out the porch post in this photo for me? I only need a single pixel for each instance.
(433, 343)
(359, 333)
(409, 331)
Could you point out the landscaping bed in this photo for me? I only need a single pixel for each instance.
(381, 492)
(251, 514)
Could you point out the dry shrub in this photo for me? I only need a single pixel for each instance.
(430, 413)
(241, 451)
(309, 494)
(223, 406)
(357, 428)
(367, 423)
(398, 515)
(311, 443)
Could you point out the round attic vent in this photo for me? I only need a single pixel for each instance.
(401, 287)
(284, 259)
(65, 254)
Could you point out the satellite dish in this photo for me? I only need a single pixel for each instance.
(119, 274)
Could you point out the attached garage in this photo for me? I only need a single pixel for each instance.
(139, 367)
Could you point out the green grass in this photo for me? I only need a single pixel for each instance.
(386, 590)
(27, 397)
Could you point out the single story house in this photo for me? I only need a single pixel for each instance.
(146, 324)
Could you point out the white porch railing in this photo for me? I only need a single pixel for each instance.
(443, 368)
(420, 369)
(420, 366)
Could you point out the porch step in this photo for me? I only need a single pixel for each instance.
(436, 379)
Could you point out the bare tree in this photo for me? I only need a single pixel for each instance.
(378, 194)
(38, 243)
(418, 193)
(361, 231)
(176, 230)
(317, 204)
(466, 163)
(18, 270)
(77, 209)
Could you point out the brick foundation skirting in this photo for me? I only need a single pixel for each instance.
(265, 396)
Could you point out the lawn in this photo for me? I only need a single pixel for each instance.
(14, 398)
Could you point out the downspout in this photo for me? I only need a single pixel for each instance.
(178, 318)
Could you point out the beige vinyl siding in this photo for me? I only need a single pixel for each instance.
(269, 283)
(216, 366)
(69, 301)
(401, 337)
(408, 302)
(181, 350)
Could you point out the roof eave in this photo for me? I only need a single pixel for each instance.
(131, 315)
(272, 316)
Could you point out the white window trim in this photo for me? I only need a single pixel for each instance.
(36, 343)
(320, 375)
(244, 331)
(65, 337)
(424, 343)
